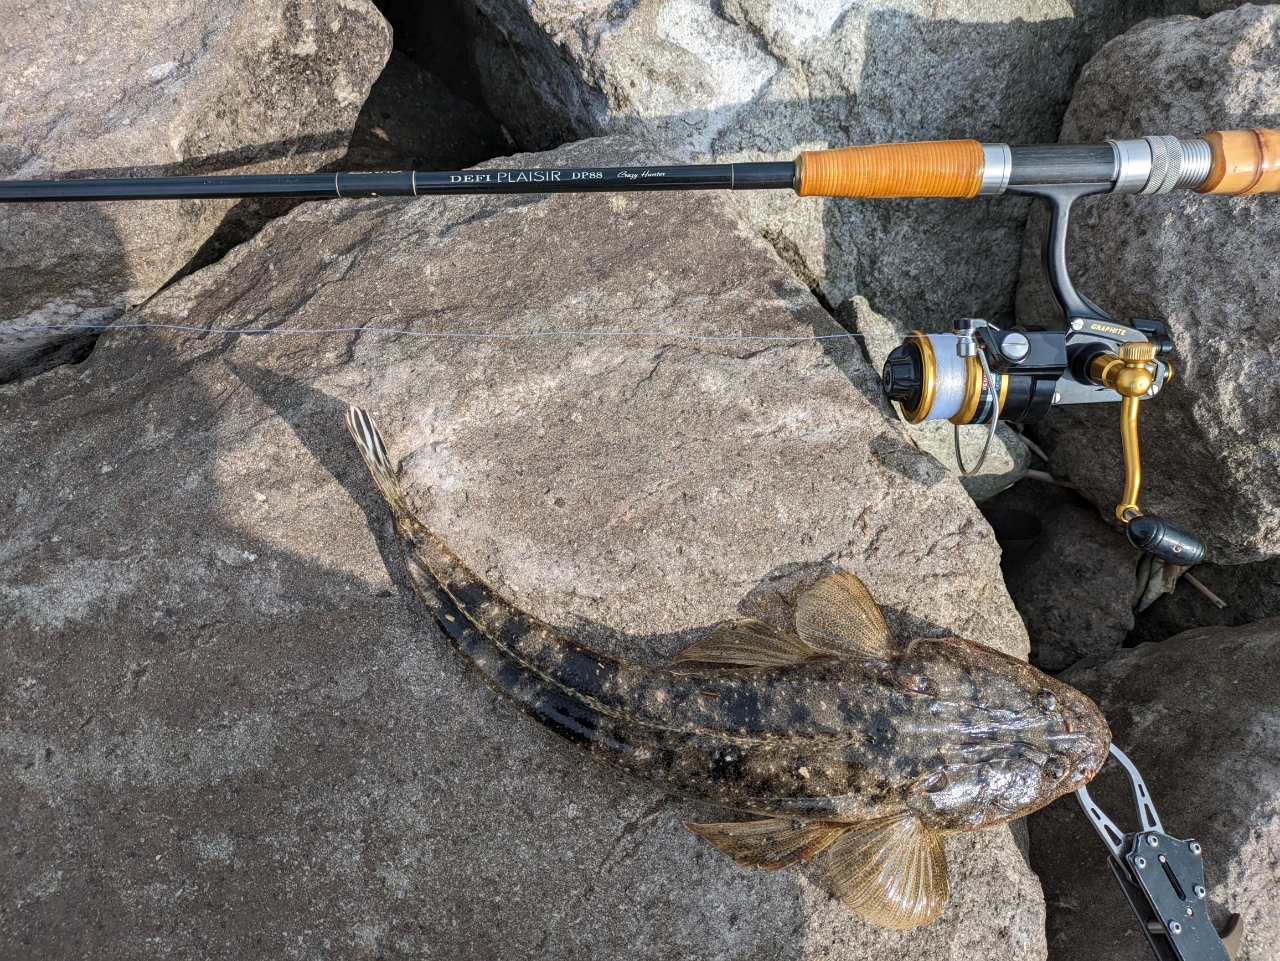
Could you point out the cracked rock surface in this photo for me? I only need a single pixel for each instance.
(133, 89)
(230, 728)
(1074, 588)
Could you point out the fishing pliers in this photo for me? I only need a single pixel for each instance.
(1163, 878)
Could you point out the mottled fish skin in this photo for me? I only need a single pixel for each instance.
(960, 735)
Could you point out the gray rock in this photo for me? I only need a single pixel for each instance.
(411, 121)
(1007, 460)
(1005, 464)
(232, 725)
(759, 79)
(1211, 441)
(1074, 588)
(1196, 714)
(263, 87)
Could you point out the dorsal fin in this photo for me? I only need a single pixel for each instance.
(770, 844)
(839, 617)
(749, 643)
(890, 870)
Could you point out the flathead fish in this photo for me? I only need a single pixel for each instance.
(838, 738)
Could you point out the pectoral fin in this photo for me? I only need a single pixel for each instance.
(749, 643)
(892, 871)
(769, 844)
(839, 617)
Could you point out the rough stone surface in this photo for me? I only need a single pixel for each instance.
(1005, 464)
(762, 79)
(1007, 460)
(134, 89)
(229, 725)
(411, 121)
(1074, 588)
(1200, 717)
(1206, 264)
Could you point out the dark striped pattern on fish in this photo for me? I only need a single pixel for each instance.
(841, 740)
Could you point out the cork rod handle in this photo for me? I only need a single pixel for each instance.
(938, 168)
(1244, 162)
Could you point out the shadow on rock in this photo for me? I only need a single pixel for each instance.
(317, 420)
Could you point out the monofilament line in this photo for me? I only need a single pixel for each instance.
(443, 335)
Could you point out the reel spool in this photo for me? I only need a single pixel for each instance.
(977, 373)
(950, 380)
(932, 381)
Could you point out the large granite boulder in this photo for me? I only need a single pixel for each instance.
(135, 89)
(1197, 715)
(759, 79)
(1205, 264)
(230, 726)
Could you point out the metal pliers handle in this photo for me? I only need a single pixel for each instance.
(1163, 878)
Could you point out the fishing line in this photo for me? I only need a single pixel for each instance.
(443, 335)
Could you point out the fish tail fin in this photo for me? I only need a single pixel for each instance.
(367, 437)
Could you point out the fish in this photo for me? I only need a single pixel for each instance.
(836, 739)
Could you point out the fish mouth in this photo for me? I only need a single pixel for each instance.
(1087, 739)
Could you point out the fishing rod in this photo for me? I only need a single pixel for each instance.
(1230, 162)
(977, 373)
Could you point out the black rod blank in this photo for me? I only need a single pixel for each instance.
(408, 183)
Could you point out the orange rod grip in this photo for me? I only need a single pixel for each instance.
(935, 168)
(1244, 162)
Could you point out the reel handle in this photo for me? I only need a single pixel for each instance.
(1127, 373)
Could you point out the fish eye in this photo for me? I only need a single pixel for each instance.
(1054, 769)
(937, 781)
(922, 684)
(1046, 701)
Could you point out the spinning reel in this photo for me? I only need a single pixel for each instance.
(980, 374)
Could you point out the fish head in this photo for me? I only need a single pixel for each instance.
(1009, 738)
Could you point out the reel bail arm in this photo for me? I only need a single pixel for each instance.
(966, 346)
(1162, 877)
